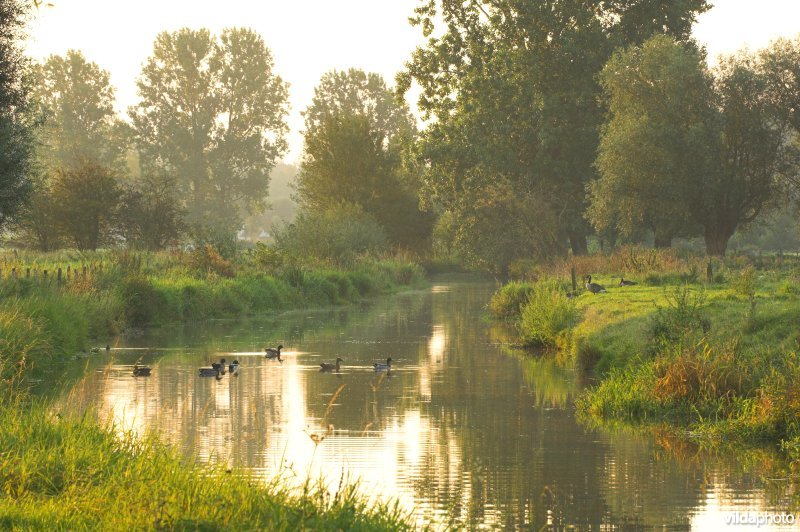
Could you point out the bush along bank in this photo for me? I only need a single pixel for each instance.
(713, 357)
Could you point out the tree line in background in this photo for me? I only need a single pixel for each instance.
(547, 122)
(553, 120)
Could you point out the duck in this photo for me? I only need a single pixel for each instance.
(383, 367)
(623, 282)
(141, 371)
(594, 287)
(326, 366)
(209, 372)
(219, 366)
(274, 353)
(234, 367)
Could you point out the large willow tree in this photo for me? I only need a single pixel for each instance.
(511, 86)
(212, 116)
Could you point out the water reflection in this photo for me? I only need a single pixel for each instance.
(463, 431)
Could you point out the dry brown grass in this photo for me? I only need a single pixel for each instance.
(699, 373)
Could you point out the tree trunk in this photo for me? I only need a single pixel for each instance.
(577, 242)
(717, 240)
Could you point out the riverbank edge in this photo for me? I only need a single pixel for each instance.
(732, 384)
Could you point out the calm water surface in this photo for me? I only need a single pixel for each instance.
(464, 432)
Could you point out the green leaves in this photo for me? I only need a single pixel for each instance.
(212, 116)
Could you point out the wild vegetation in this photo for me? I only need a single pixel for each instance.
(714, 356)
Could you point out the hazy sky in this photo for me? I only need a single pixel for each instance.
(310, 37)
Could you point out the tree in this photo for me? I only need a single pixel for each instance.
(85, 198)
(76, 105)
(747, 152)
(780, 65)
(150, 216)
(355, 133)
(16, 137)
(212, 117)
(653, 144)
(682, 145)
(511, 86)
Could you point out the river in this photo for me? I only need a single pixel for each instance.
(464, 431)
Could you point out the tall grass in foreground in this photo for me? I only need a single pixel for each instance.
(66, 472)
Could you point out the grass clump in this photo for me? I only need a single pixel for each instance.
(547, 316)
(507, 302)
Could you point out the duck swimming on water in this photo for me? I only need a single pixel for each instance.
(326, 366)
(274, 353)
(383, 367)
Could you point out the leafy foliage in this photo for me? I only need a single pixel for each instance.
(355, 131)
(212, 117)
(337, 234)
(547, 315)
(85, 198)
(16, 136)
(511, 86)
(652, 146)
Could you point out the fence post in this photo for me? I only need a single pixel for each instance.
(59, 275)
(574, 274)
(709, 273)
(27, 273)
(14, 273)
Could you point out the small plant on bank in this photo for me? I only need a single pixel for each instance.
(547, 315)
(745, 282)
(684, 318)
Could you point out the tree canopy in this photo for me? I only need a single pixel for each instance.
(512, 92)
(355, 133)
(654, 141)
(75, 101)
(212, 116)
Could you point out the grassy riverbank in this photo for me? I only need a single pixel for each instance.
(59, 471)
(44, 320)
(65, 470)
(717, 360)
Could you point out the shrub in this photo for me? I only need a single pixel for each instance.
(335, 235)
(207, 259)
(699, 374)
(745, 282)
(547, 315)
(140, 299)
(507, 302)
(684, 317)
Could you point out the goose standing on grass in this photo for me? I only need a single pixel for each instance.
(325, 366)
(383, 367)
(623, 282)
(594, 287)
(271, 353)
